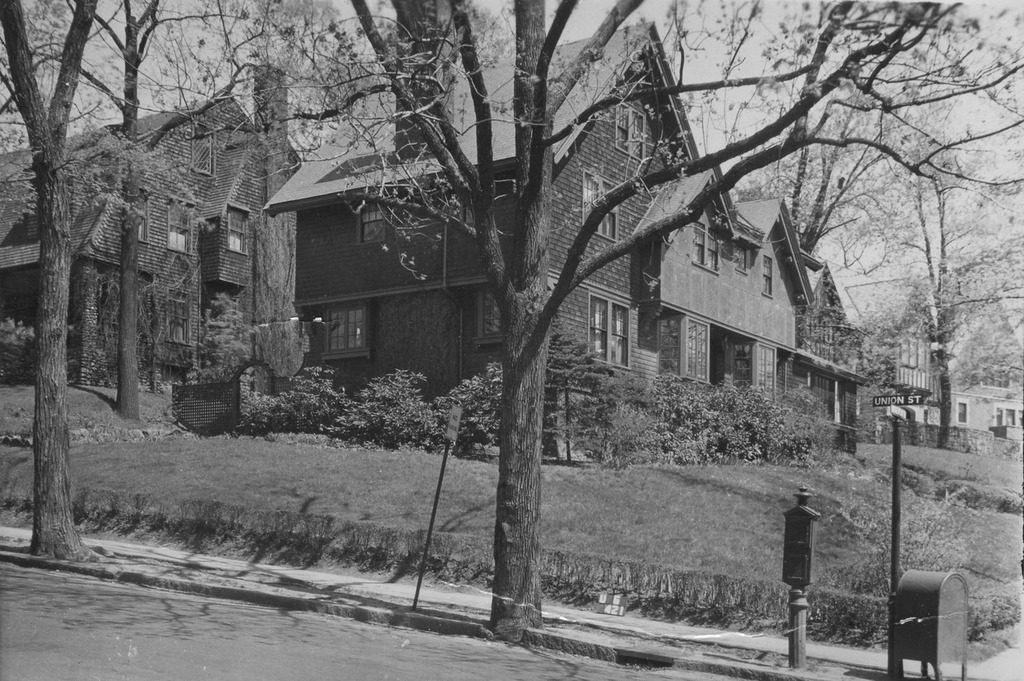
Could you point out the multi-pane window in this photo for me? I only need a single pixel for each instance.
(144, 220)
(593, 188)
(371, 223)
(609, 331)
(767, 276)
(631, 131)
(961, 412)
(670, 345)
(705, 247)
(697, 350)
(743, 364)
(490, 317)
(177, 317)
(202, 149)
(346, 328)
(766, 367)
(177, 226)
(238, 229)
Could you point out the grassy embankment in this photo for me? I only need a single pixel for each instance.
(721, 519)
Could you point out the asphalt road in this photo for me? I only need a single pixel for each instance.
(56, 626)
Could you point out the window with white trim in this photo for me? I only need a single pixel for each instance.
(609, 330)
(371, 223)
(766, 367)
(767, 276)
(670, 345)
(178, 218)
(593, 189)
(743, 363)
(144, 221)
(697, 349)
(177, 317)
(346, 328)
(631, 131)
(238, 230)
(705, 247)
(961, 412)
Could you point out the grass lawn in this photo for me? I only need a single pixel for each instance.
(725, 519)
(88, 407)
(948, 464)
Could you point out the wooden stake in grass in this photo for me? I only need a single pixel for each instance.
(449, 442)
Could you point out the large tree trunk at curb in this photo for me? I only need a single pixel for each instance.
(53, 532)
(516, 604)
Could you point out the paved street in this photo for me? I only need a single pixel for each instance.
(57, 626)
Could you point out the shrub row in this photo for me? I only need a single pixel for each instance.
(619, 420)
(655, 591)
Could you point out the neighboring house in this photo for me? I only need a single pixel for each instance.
(988, 407)
(719, 302)
(197, 240)
(988, 385)
(907, 362)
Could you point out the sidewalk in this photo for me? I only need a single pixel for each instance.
(453, 609)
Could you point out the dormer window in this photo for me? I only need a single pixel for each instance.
(202, 149)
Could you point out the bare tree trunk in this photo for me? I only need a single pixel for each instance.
(53, 531)
(128, 310)
(134, 213)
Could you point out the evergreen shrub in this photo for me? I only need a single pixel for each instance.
(390, 411)
(309, 406)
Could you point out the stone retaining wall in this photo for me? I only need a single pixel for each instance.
(967, 440)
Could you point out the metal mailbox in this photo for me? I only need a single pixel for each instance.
(931, 620)
(798, 542)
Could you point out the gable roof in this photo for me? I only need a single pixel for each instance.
(767, 215)
(346, 167)
(19, 240)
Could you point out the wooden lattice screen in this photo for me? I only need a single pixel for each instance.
(207, 408)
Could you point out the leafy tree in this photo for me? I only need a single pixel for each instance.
(956, 269)
(864, 53)
(46, 123)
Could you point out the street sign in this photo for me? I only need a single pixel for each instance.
(453, 423)
(901, 400)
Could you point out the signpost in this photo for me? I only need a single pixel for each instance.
(449, 441)
(905, 399)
